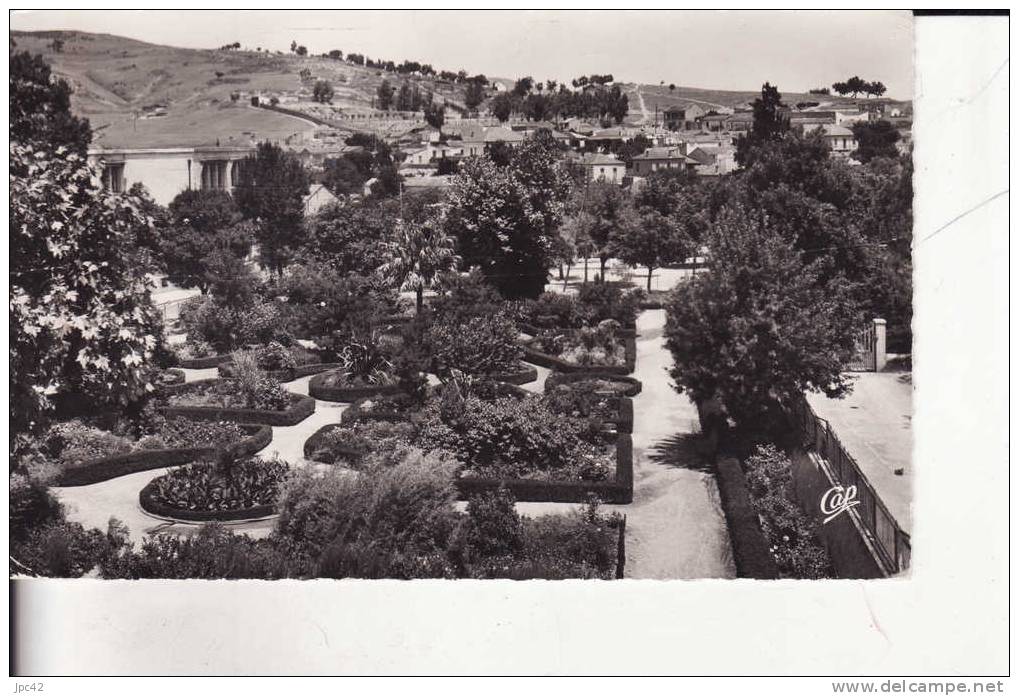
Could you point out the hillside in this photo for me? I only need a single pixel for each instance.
(139, 94)
(128, 88)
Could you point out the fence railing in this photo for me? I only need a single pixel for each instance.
(891, 542)
(621, 549)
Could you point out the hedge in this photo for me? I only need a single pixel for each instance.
(749, 547)
(108, 468)
(557, 378)
(323, 392)
(300, 408)
(286, 375)
(628, 330)
(204, 363)
(148, 502)
(523, 374)
(619, 490)
(536, 357)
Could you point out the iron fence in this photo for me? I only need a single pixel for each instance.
(891, 542)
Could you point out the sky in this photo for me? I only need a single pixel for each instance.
(737, 50)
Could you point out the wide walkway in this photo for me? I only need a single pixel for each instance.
(675, 527)
(875, 424)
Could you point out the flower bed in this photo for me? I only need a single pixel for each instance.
(626, 386)
(521, 374)
(289, 374)
(594, 303)
(255, 437)
(516, 442)
(240, 490)
(593, 398)
(170, 376)
(589, 350)
(219, 399)
(205, 362)
(347, 444)
(334, 386)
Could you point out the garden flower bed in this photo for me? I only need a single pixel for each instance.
(221, 399)
(522, 373)
(204, 363)
(594, 303)
(514, 441)
(170, 377)
(225, 491)
(593, 397)
(75, 453)
(587, 350)
(336, 385)
(279, 362)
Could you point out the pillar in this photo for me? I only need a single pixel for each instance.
(880, 351)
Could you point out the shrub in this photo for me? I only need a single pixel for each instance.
(63, 549)
(30, 504)
(465, 296)
(589, 346)
(274, 356)
(585, 399)
(366, 362)
(791, 534)
(74, 443)
(600, 301)
(482, 346)
(491, 527)
(349, 444)
(406, 508)
(226, 328)
(552, 310)
(253, 386)
(225, 485)
(193, 348)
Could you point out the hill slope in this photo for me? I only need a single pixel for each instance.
(137, 94)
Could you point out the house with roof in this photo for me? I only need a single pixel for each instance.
(475, 139)
(683, 117)
(740, 121)
(662, 158)
(579, 126)
(840, 139)
(601, 167)
(318, 198)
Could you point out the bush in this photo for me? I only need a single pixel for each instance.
(462, 297)
(225, 485)
(74, 443)
(404, 508)
(226, 328)
(551, 310)
(482, 346)
(791, 534)
(592, 398)
(63, 549)
(513, 438)
(275, 356)
(600, 301)
(349, 444)
(588, 346)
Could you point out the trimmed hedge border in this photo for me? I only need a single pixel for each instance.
(627, 331)
(152, 506)
(108, 468)
(320, 391)
(619, 490)
(536, 357)
(523, 374)
(288, 375)
(301, 407)
(749, 547)
(206, 362)
(557, 378)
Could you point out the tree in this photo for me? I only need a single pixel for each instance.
(762, 326)
(769, 123)
(203, 226)
(385, 94)
(271, 191)
(435, 115)
(576, 231)
(474, 94)
(876, 88)
(419, 253)
(875, 139)
(504, 218)
(672, 87)
(502, 106)
(347, 174)
(323, 92)
(653, 241)
(302, 50)
(82, 323)
(336, 54)
(610, 209)
(40, 108)
(350, 238)
(523, 87)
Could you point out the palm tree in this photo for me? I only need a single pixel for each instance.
(419, 253)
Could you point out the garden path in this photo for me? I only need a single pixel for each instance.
(675, 528)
